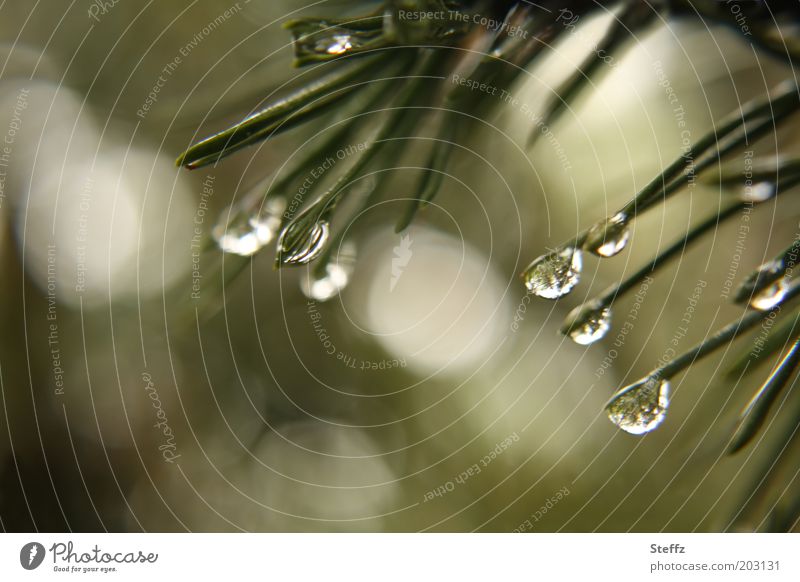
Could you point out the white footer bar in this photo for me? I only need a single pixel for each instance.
(401, 557)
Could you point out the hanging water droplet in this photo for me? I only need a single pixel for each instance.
(608, 237)
(246, 235)
(554, 275)
(640, 407)
(760, 192)
(305, 249)
(770, 296)
(336, 277)
(588, 323)
(760, 278)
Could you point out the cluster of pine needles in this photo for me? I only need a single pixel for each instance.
(387, 75)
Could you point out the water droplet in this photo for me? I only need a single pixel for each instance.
(760, 192)
(322, 38)
(640, 407)
(307, 248)
(770, 296)
(588, 323)
(608, 237)
(554, 275)
(760, 278)
(246, 235)
(337, 45)
(336, 277)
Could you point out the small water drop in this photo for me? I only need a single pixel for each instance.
(554, 275)
(337, 45)
(308, 248)
(760, 192)
(336, 277)
(246, 235)
(608, 237)
(322, 38)
(640, 407)
(770, 296)
(588, 323)
(760, 278)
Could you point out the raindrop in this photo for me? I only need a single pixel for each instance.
(760, 192)
(246, 235)
(640, 407)
(554, 275)
(335, 278)
(588, 323)
(771, 296)
(308, 248)
(320, 38)
(608, 237)
(767, 273)
(337, 45)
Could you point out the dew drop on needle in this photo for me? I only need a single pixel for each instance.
(770, 296)
(554, 275)
(245, 236)
(340, 44)
(337, 275)
(608, 237)
(760, 192)
(640, 407)
(588, 323)
(306, 249)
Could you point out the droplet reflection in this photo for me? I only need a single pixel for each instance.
(608, 237)
(760, 192)
(337, 275)
(340, 44)
(246, 235)
(588, 323)
(640, 407)
(770, 296)
(306, 249)
(554, 275)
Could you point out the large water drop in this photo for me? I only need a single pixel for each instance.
(640, 407)
(554, 275)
